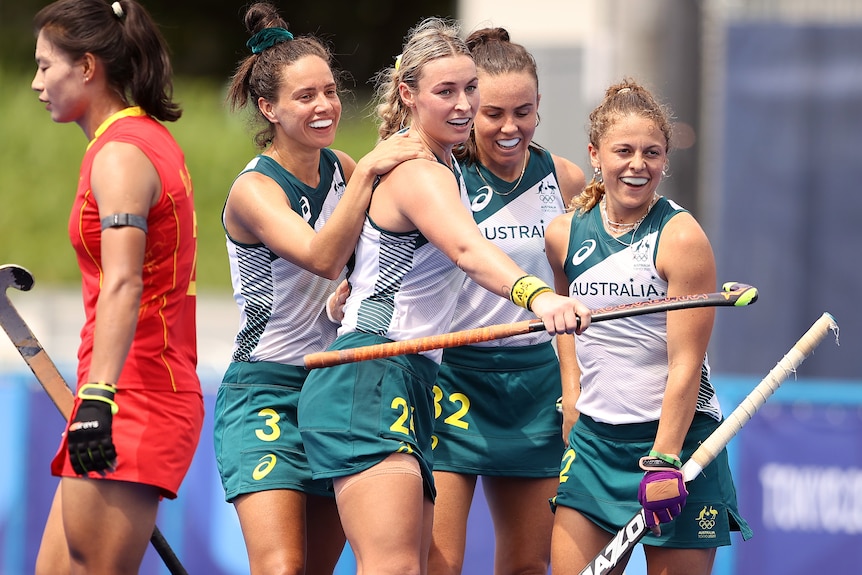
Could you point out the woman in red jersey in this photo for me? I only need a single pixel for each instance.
(139, 408)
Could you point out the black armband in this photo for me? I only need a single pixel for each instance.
(122, 220)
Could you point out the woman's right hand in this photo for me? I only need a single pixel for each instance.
(561, 314)
(394, 150)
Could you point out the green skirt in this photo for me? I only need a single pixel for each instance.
(599, 477)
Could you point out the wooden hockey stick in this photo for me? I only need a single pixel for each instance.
(52, 381)
(733, 294)
(634, 530)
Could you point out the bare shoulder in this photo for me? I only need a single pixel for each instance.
(685, 256)
(251, 189)
(560, 223)
(557, 232)
(683, 231)
(121, 156)
(122, 169)
(570, 176)
(420, 175)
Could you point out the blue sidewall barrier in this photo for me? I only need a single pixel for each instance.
(797, 466)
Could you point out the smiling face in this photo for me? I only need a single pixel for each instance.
(631, 155)
(60, 82)
(506, 120)
(444, 103)
(308, 108)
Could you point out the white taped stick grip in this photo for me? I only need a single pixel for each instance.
(719, 439)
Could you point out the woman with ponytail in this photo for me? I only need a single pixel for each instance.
(291, 220)
(497, 416)
(139, 409)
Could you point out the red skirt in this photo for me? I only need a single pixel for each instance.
(155, 435)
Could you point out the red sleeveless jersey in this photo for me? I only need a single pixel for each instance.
(163, 356)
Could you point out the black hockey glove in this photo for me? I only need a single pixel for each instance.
(91, 446)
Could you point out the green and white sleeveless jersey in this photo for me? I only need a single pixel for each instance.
(516, 223)
(623, 362)
(282, 305)
(401, 285)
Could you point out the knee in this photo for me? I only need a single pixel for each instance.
(281, 564)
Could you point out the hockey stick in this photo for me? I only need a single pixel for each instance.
(52, 381)
(733, 294)
(634, 530)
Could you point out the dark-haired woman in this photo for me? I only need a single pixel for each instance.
(495, 402)
(291, 218)
(139, 409)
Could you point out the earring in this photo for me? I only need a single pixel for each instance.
(597, 175)
(664, 171)
(538, 119)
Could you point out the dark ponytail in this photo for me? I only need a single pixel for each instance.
(124, 37)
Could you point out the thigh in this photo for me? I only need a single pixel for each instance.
(53, 557)
(451, 509)
(325, 535)
(273, 527)
(575, 541)
(108, 524)
(667, 561)
(523, 522)
(387, 516)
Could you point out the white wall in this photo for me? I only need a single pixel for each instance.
(583, 46)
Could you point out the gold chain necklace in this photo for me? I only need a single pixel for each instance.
(518, 183)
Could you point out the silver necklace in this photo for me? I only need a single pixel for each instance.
(518, 183)
(622, 228)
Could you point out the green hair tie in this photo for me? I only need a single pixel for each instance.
(267, 38)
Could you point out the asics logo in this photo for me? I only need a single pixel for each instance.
(267, 462)
(587, 248)
(482, 199)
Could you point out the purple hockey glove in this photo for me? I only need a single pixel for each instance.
(662, 492)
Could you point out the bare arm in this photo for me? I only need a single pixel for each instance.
(570, 177)
(123, 181)
(556, 242)
(424, 196)
(258, 211)
(686, 260)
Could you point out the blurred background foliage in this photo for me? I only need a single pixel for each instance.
(39, 160)
(207, 37)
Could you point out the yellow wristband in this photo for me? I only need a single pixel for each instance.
(100, 391)
(525, 290)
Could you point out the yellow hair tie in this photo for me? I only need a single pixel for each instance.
(398, 61)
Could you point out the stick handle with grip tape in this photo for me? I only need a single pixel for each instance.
(732, 294)
(49, 376)
(634, 530)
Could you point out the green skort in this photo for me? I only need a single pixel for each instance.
(599, 476)
(257, 442)
(355, 415)
(496, 411)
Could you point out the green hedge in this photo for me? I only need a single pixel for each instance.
(39, 163)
